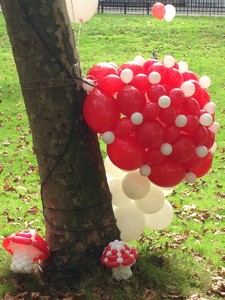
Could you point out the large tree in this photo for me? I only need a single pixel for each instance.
(76, 199)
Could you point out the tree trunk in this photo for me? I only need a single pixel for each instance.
(76, 199)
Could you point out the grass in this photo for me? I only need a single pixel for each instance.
(174, 263)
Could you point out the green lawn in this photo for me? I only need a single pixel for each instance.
(176, 263)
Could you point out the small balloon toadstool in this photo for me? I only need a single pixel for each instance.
(26, 247)
(119, 257)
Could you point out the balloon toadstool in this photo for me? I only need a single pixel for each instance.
(119, 257)
(26, 247)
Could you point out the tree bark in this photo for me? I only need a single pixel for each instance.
(76, 199)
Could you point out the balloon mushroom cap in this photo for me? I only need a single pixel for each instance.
(27, 238)
(117, 253)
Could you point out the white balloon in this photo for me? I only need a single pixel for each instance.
(183, 66)
(213, 148)
(136, 118)
(205, 82)
(130, 221)
(153, 202)
(215, 127)
(188, 88)
(135, 186)
(112, 170)
(190, 177)
(181, 121)
(167, 190)
(139, 59)
(201, 151)
(118, 196)
(210, 107)
(154, 77)
(170, 12)
(88, 86)
(164, 101)
(169, 61)
(161, 219)
(108, 137)
(206, 119)
(126, 75)
(80, 11)
(166, 149)
(145, 170)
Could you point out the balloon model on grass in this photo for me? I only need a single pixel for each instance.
(157, 120)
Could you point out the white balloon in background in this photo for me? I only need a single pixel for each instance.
(204, 82)
(210, 107)
(181, 121)
(154, 77)
(112, 170)
(188, 88)
(136, 118)
(170, 12)
(80, 11)
(108, 137)
(153, 202)
(183, 66)
(169, 61)
(161, 219)
(215, 127)
(190, 177)
(139, 59)
(126, 75)
(118, 196)
(135, 186)
(130, 221)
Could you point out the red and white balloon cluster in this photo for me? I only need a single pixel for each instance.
(160, 11)
(155, 116)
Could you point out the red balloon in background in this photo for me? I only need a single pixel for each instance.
(171, 133)
(203, 98)
(177, 97)
(183, 149)
(140, 82)
(150, 134)
(192, 123)
(192, 163)
(100, 111)
(97, 72)
(134, 66)
(211, 138)
(111, 84)
(197, 88)
(167, 115)
(130, 100)
(167, 174)
(188, 75)
(154, 156)
(159, 68)
(155, 92)
(126, 153)
(124, 127)
(191, 106)
(148, 63)
(158, 10)
(205, 165)
(200, 135)
(150, 111)
(173, 78)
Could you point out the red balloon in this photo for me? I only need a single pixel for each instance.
(155, 92)
(192, 123)
(111, 84)
(130, 100)
(167, 115)
(200, 135)
(203, 98)
(134, 66)
(124, 127)
(148, 63)
(101, 70)
(100, 111)
(159, 68)
(173, 78)
(191, 106)
(211, 138)
(205, 165)
(171, 133)
(167, 174)
(188, 75)
(140, 82)
(150, 111)
(154, 156)
(183, 149)
(126, 153)
(158, 10)
(192, 163)
(176, 96)
(150, 134)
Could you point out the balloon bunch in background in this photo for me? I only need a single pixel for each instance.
(161, 11)
(157, 120)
